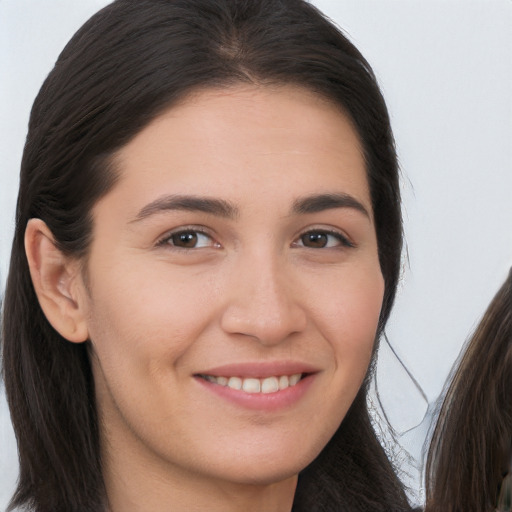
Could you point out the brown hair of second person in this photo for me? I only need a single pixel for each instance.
(470, 452)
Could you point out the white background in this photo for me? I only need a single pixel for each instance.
(445, 68)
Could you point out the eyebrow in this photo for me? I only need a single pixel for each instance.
(225, 209)
(212, 206)
(321, 202)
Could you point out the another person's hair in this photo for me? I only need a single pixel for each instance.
(471, 448)
(126, 65)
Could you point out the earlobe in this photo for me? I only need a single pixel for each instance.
(57, 282)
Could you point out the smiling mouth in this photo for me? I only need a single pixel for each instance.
(253, 385)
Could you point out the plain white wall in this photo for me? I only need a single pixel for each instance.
(445, 67)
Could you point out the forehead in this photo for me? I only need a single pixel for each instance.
(280, 141)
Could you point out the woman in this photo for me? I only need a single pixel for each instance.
(469, 460)
(207, 249)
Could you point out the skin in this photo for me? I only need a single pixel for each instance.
(253, 289)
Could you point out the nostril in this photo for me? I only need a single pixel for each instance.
(261, 304)
(268, 329)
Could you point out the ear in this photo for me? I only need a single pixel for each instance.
(57, 282)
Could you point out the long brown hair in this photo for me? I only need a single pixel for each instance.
(127, 64)
(471, 448)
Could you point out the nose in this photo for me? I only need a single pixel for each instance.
(264, 303)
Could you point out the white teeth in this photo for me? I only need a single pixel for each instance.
(294, 379)
(269, 385)
(235, 383)
(253, 385)
(283, 382)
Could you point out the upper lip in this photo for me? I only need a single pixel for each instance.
(259, 369)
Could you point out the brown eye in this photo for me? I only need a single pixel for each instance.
(186, 239)
(315, 240)
(323, 240)
(189, 239)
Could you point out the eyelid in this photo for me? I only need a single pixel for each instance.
(164, 239)
(345, 241)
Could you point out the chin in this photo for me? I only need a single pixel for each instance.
(264, 469)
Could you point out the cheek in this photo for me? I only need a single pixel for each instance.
(348, 322)
(353, 306)
(139, 333)
(350, 319)
(144, 322)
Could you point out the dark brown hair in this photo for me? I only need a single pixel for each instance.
(127, 64)
(471, 448)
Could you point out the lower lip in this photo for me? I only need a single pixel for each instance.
(261, 401)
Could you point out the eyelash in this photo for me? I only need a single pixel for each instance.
(344, 242)
(165, 240)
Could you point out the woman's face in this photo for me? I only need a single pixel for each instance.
(237, 250)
